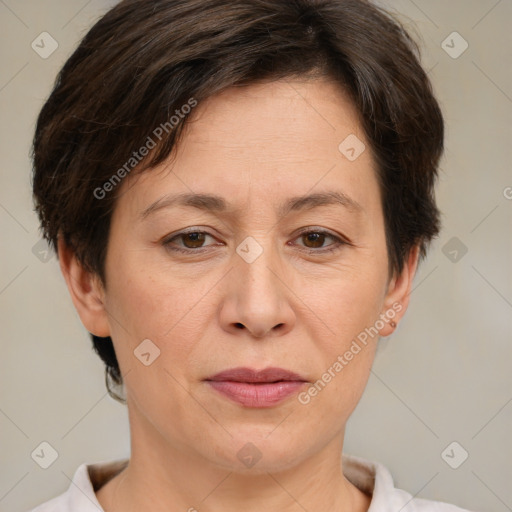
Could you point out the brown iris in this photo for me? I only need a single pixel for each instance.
(316, 238)
(196, 239)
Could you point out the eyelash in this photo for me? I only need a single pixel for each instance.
(338, 242)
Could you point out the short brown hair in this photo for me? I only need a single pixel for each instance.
(145, 59)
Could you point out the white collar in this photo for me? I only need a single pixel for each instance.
(370, 477)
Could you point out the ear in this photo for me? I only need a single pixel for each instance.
(398, 293)
(86, 291)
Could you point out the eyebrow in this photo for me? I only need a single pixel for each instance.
(217, 204)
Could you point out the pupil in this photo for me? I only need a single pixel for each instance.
(195, 238)
(315, 238)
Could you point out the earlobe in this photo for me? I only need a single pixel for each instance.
(398, 293)
(86, 290)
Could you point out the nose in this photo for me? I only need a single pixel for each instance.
(258, 298)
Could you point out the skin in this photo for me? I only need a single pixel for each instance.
(255, 146)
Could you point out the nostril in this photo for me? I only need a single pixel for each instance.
(239, 325)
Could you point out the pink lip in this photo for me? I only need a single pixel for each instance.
(253, 388)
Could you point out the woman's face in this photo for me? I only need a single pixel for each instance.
(249, 289)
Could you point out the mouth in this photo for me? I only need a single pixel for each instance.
(253, 388)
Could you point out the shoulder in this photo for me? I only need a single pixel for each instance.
(375, 479)
(57, 504)
(72, 500)
(81, 493)
(408, 503)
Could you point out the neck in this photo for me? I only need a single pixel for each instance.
(163, 477)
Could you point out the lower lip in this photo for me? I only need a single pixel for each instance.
(257, 395)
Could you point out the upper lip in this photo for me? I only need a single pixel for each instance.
(243, 374)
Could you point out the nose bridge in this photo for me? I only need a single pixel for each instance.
(259, 267)
(260, 294)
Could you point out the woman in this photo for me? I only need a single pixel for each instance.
(239, 193)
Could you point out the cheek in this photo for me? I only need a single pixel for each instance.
(160, 309)
(350, 301)
(350, 307)
(346, 357)
(148, 303)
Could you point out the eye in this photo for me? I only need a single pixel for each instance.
(316, 238)
(192, 241)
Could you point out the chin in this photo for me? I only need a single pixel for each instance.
(255, 451)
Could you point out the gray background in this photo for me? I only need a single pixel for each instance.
(443, 376)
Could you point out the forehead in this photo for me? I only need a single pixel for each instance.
(264, 141)
(280, 114)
